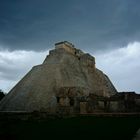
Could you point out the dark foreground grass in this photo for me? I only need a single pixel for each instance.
(93, 128)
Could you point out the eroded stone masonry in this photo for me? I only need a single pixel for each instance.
(68, 82)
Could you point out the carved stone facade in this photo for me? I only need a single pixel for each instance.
(91, 103)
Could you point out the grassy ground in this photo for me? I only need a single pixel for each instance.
(84, 127)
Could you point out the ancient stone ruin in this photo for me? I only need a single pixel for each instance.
(67, 82)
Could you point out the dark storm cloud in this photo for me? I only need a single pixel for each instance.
(95, 24)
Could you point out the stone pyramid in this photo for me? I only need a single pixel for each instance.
(66, 75)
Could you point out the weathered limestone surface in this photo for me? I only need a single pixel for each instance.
(65, 72)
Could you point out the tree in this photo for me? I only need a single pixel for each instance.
(1, 94)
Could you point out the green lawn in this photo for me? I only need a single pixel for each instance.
(93, 128)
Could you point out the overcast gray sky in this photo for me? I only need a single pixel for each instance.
(107, 29)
